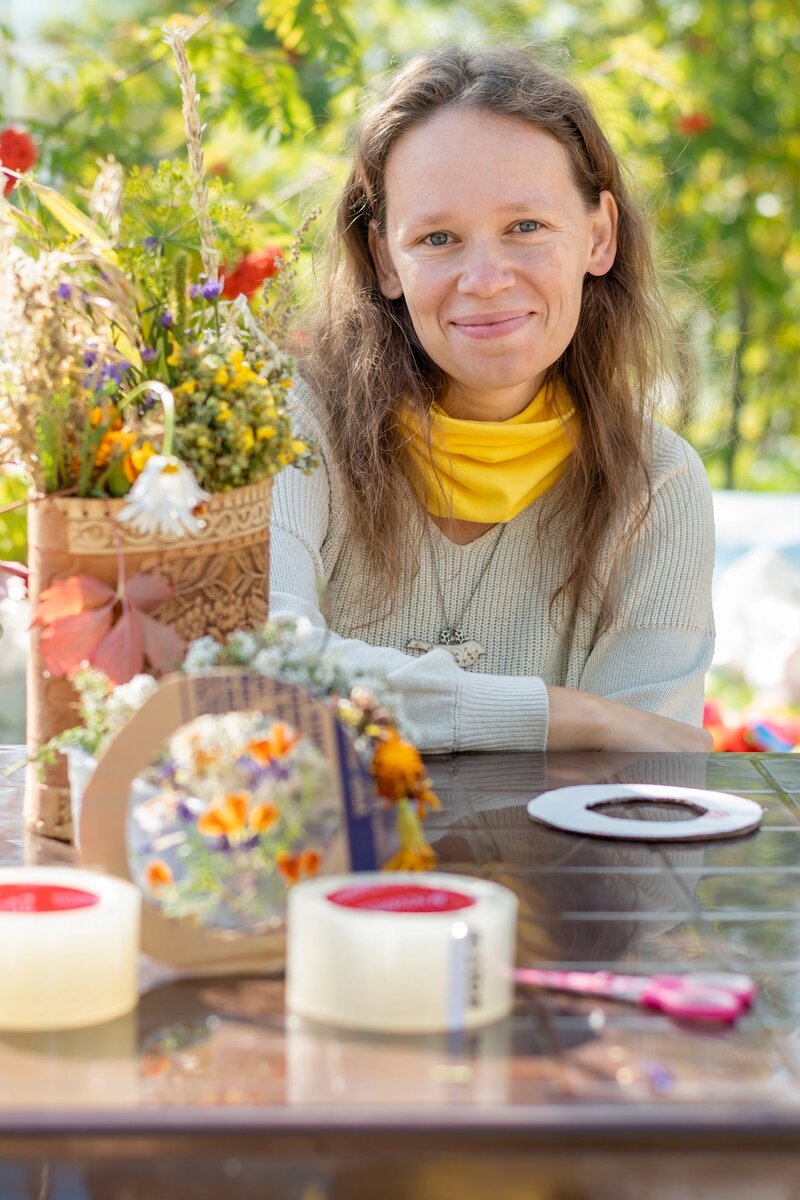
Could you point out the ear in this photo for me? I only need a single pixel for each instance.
(388, 279)
(604, 235)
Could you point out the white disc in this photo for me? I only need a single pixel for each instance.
(573, 809)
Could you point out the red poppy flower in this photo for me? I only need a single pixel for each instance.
(17, 151)
(693, 123)
(251, 271)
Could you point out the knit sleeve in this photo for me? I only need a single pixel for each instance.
(655, 654)
(440, 706)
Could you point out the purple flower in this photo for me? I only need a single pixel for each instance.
(150, 243)
(184, 811)
(166, 320)
(212, 290)
(196, 291)
(148, 354)
(89, 358)
(64, 291)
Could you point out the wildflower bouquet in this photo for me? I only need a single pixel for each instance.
(150, 413)
(120, 349)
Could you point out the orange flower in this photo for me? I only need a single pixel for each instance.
(264, 816)
(111, 442)
(294, 867)
(157, 874)
(397, 768)
(227, 817)
(281, 739)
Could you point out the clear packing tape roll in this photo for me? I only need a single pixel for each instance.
(69, 946)
(401, 952)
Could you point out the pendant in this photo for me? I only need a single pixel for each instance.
(464, 654)
(451, 635)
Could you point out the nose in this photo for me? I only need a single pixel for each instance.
(485, 270)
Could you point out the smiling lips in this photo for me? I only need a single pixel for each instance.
(491, 325)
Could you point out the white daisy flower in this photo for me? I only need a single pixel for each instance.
(164, 498)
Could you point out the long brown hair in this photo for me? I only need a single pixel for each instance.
(366, 359)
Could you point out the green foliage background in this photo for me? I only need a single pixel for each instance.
(699, 97)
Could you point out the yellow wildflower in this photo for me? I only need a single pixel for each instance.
(175, 355)
(221, 377)
(414, 854)
(264, 433)
(224, 413)
(133, 463)
(299, 447)
(188, 387)
(246, 439)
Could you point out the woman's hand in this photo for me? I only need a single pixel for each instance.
(582, 721)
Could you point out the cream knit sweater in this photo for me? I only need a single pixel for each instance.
(654, 656)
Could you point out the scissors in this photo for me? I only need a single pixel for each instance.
(711, 996)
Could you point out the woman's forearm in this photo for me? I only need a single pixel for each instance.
(583, 721)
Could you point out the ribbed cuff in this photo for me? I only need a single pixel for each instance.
(508, 712)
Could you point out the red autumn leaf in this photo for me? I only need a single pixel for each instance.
(71, 641)
(148, 591)
(120, 655)
(70, 597)
(163, 648)
(76, 616)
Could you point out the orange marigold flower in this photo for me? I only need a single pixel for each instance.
(294, 867)
(397, 768)
(226, 818)
(157, 874)
(264, 816)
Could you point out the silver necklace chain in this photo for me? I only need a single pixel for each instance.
(451, 633)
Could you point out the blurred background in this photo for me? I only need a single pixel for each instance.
(699, 96)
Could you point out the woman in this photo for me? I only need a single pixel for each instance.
(497, 530)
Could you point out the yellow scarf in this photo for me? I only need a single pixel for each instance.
(489, 471)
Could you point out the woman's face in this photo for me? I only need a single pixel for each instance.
(488, 240)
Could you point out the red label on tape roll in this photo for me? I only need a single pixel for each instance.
(43, 898)
(400, 898)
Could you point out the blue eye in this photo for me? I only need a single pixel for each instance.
(528, 226)
(437, 239)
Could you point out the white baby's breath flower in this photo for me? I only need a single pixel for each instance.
(242, 647)
(268, 661)
(202, 654)
(164, 498)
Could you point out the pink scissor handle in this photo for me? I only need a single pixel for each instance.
(690, 999)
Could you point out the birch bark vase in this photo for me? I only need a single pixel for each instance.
(220, 579)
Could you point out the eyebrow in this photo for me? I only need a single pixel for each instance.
(515, 206)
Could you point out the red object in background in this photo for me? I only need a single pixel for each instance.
(18, 151)
(251, 271)
(693, 123)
